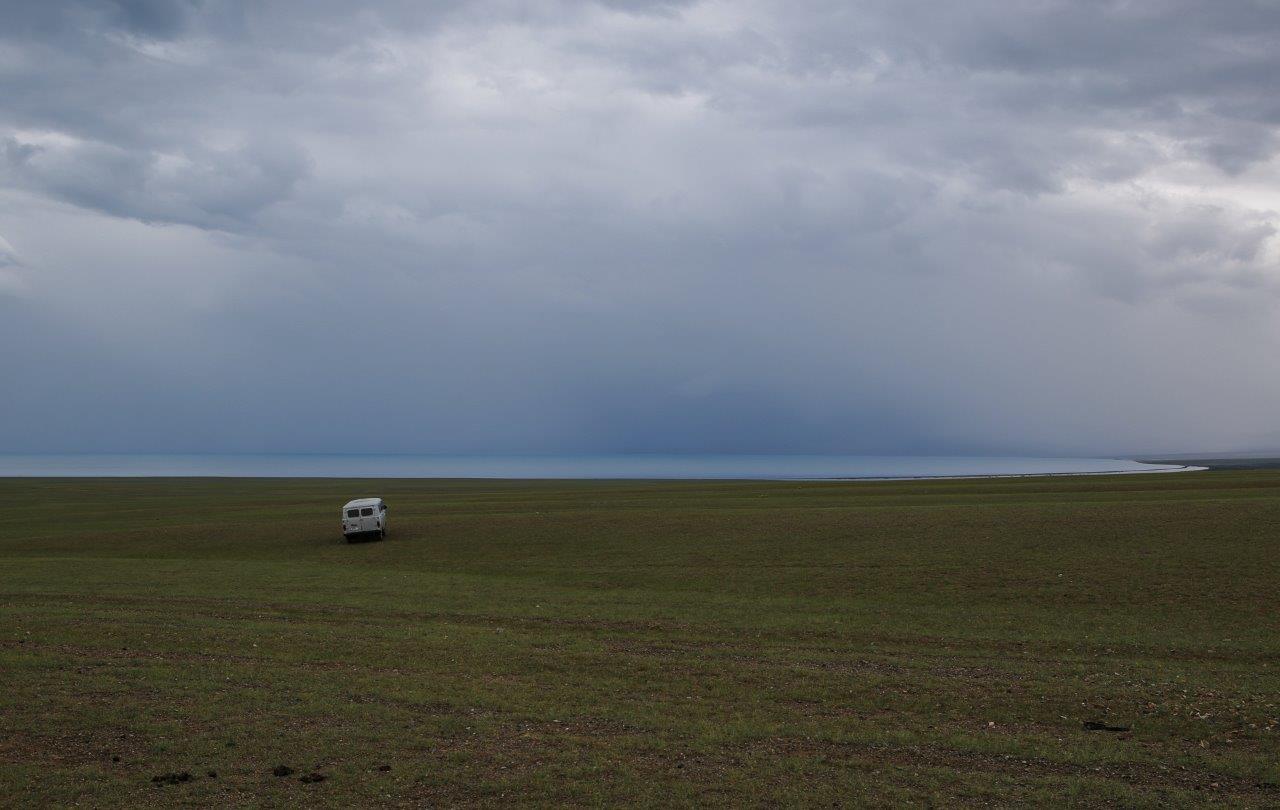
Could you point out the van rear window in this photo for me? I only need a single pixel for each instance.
(367, 511)
(353, 513)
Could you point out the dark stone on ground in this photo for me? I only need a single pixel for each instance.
(171, 778)
(283, 770)
(213, 774)
(313, 777)
(1098, 725)
(384, 767)
(115, 758)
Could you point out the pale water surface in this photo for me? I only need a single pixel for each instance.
(763, 467)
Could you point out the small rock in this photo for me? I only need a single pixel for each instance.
(171, 778)
(1098, 725)
(312, 777)
(384, 768)
(213, 774)
(282, 770)
(115, 758)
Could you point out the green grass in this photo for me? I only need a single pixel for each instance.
(652, 643)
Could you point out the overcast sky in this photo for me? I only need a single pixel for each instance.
(890, 226)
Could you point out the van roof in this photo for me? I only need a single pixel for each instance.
(363, 502)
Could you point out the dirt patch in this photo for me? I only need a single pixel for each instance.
(69, 750)
(917, 756)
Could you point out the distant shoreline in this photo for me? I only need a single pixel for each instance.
(1221, 462)
(624, 467)
(708, 479)
(1179, 469)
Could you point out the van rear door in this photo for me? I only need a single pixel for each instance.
(368, 519)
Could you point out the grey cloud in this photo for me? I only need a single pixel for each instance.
(10, 267)
(80, 19)
(158, 18)
(8, 256)
(876, 226)
(1237, 148)
(221, 189)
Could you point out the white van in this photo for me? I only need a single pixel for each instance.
(364, 517)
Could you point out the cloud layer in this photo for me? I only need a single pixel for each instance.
(625, 226)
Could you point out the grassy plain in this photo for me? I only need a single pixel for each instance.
(744, 644)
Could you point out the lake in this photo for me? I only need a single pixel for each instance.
(759, 467)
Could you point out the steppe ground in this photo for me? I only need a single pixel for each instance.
(678, 643)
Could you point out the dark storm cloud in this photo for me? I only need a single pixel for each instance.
(875, 226)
